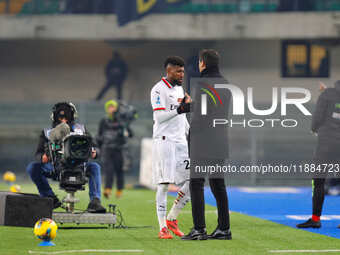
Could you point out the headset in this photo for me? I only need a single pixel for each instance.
(56, 108)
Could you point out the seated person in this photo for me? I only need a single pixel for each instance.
(41, 169)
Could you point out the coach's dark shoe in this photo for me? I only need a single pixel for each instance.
(309, 224)
(95, 206)
(220, 234)
(196, 235)
(56, 202)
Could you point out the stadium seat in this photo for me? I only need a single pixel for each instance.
(264, 7)
(335, 6)
(203, 8)
(272, 7)
(14, 6)
(41, 7)
(319, 6)
(185, 8)
(225, 8)
(2, 7)
(258, 8)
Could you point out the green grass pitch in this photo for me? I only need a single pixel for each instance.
(250, 235)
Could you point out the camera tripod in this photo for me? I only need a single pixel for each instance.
(70, 201)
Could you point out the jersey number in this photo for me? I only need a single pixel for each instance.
(187, 162)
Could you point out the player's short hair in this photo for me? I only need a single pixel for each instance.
(210, 57)
(174, 60)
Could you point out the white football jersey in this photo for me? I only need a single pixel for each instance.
(165, 97)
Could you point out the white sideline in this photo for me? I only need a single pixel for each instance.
(85, 251)
(302, 251)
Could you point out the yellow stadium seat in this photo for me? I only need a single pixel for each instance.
(16, 6)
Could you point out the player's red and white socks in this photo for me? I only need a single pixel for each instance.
(170, 223)
(183, 197)
(161, 204)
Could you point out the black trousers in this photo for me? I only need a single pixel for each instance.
(318, 195)
(327, 152)
(113, 165)
(109, 85)
(218, 189)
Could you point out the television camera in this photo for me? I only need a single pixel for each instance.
(69, 153)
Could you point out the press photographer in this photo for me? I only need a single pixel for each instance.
(113, 132)
(63, 122)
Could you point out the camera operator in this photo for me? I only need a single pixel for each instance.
(42, 169)
(112, 136)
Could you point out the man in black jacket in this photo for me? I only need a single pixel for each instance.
(326, 124)
(205, 151)
(40, 169)
(116, 72)
(112, 136)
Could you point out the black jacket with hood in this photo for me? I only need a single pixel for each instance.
(111, 134)
(326, 117)
(326, 123)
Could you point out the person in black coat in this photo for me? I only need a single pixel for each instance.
(112, 136)
(116, 72)
(205, 151)
(326, 125)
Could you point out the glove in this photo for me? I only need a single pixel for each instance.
(183, 107)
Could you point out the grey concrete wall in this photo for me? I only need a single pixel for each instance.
(167, 27)
(47, 71)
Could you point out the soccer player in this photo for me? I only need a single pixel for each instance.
(170, 159)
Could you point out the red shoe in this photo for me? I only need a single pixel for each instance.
(173, 226)
(164, 234)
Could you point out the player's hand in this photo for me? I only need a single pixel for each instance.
(94, 153)
(322, 86)
(184, 107)
(44, 158)
(314, 133)
(126, 133)
(187, 98)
